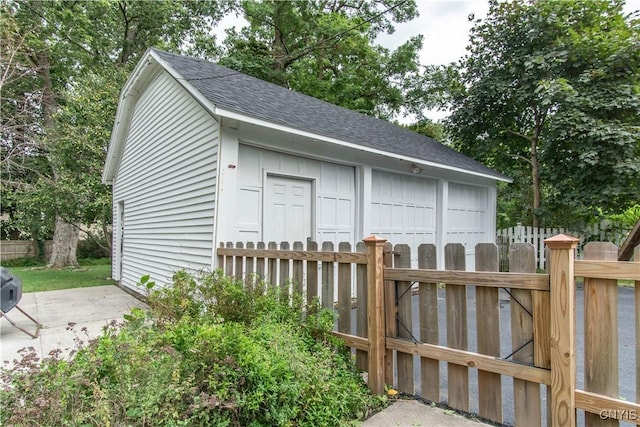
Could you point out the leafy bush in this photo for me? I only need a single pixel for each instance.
(22, 262)
(207, 352)
(93, 247)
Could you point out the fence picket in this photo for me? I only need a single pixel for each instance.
(327, 278)
(250, 269)
(384, 327)
(522, 259)
(428, 306)
(458, 376)
(284, 270)
(260, 265)
(312, 275)
(298, 270)
(601, 331)
(229, 262)
(272, 265)
(488, 333)
(239, 263)
(402, 259)
(344, 291)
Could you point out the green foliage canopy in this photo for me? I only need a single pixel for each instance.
(326, 49)
(550, 95)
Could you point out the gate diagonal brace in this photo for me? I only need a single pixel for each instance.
(38, 325)
(398, 322)
(518, 302)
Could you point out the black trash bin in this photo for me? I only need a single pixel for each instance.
(10, 290)
(10, 296)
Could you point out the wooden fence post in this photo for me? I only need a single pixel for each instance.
(563, 330)
(390, 310)
(375, 312)
(600, 331)
(361, 308)
(636, 258)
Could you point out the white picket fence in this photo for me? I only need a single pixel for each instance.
(605, 231)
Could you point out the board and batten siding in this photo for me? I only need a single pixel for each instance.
(404, 209)
(468, 218)
(164, 190)
(333, 187)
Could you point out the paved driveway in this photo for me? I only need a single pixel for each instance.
(89, 308)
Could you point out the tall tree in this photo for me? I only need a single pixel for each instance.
(326, 49)
(68, 46)
(550, 95)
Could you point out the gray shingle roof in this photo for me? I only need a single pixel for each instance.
(241, 93)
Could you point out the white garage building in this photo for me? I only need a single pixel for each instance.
(201, 154)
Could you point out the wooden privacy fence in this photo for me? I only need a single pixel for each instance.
(13, 249)
(409, 327)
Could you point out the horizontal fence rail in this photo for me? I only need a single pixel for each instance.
(410, 328)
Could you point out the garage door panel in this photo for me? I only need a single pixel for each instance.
(403, 208)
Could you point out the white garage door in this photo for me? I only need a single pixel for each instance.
(467, 218)
(403, 209)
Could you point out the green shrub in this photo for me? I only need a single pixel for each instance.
(92, 247)
(22, 262)
(207, 352)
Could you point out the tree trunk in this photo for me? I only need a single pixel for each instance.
(535, 183)
(65, 243)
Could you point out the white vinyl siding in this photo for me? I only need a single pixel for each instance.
(334, 200)
(403, 209)
(166, 182)
(468, 221)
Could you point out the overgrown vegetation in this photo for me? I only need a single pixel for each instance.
(207, 352)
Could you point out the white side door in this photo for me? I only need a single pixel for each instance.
(288, 209)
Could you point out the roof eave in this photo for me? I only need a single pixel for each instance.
(264, 123)
(151, 62)
(140, 76)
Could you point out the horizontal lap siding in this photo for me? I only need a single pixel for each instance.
(167, 181)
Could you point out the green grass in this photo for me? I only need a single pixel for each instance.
(41, 278)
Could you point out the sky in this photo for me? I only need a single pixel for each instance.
(445, 27)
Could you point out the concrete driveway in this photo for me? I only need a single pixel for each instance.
(89, 308)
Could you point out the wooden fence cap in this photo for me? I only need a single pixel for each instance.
(561, 241)
(374, 239)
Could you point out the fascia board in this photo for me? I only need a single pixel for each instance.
(259, 122)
